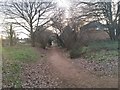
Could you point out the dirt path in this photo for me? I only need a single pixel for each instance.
(55, 70)
(74, 76)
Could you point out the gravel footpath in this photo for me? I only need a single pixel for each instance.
(38, 76)
(41, 75)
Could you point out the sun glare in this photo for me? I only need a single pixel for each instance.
(63, 3)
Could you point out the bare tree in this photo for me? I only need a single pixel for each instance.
(32, 13)
(118, 22)
(10, 32)
(58, 20)
(102, 11)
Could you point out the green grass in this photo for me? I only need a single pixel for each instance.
(98, 45)
(13, 57)
(97, 50)
(24, 54)
(101, 50)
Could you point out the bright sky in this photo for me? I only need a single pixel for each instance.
(63, 3)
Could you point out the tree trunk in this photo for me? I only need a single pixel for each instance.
(118, 29)
(111, 28)
(32, 34)
(32, 39)
(11, 35)
(11, 41)
(112, 34)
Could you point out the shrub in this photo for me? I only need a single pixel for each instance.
(74, 53)
(77, 52)
(43, 38)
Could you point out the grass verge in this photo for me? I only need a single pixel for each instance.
(102, 50)
(97, 50)
(13, 58)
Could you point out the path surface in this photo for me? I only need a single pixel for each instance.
(59, 71)
(75, 76)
